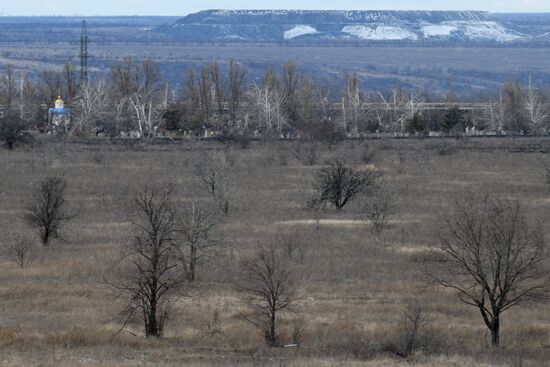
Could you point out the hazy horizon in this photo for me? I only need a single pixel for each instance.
(175, 8)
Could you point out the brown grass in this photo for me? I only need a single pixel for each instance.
(353, 286)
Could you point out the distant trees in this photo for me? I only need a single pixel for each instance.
(513, 107)
(150, 275)
(494, 257)
(267, 104)
(236, 78)
(47, 210)
(416, 124)
(139, 93)
(454, 120)
(399, 106)
(268, 288)
(354, 104)
(338, 183)
(13, 130)
(220, 100)
(8, 86)
(91, 106)
(536, 111)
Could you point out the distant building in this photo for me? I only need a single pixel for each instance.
(59, 117)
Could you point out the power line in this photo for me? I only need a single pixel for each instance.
(84, 54)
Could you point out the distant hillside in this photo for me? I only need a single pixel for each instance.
(53, 29)
(348, 27)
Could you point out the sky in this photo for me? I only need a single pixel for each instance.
(182, 7)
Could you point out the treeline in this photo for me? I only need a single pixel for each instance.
(220, 100)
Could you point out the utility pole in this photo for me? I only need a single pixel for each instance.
(84, 54)
(21, 96)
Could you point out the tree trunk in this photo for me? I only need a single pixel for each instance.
(46, 237)
(495, 332)
(192, 264)
(272, 336)
(151, 326)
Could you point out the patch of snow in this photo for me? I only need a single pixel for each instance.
(486, 30)
(234, 36)
(360, 31)
(299, 30)
(474, 30)
(380, 33)
(438, 30)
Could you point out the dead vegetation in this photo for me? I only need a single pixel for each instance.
(354, 289)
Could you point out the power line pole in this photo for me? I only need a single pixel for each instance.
(84, 54)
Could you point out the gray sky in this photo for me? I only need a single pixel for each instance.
(182, 7)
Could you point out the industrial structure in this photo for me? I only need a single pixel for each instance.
(84, 54)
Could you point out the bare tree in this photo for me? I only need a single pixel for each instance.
(217, 87)
(376, 206)
(354, 104)
(306, 151)
(290, 81)
(8, 84)
(413, 320)
(215, 179)
(339, 183)
(125, 76)
(236, 77)
(515, 119)
(47, 210)
(149, 110)
(494, 257)
(268, 106)
(51, 81)
(13, 130)
(398, 107)
(497, 111)
(150, 76)
(535, 110)
(150, 275)
(305, 106)
(268, 289)
(29, 100)
(205, 93)
(20, 249)
(195, 225)
(69, 77)
(91, 106)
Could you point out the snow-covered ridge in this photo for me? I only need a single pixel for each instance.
(345, 26)
(355, 15)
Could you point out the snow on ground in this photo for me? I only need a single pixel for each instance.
(438, 30)
(379, 33)
(299, 30)
(487, 31)
(472, 30)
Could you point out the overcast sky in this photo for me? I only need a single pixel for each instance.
(181, 7)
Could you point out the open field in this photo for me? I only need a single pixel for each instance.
(353, 287)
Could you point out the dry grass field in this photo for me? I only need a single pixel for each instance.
(353, 287)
